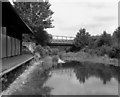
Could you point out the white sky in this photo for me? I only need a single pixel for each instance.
(94, 15)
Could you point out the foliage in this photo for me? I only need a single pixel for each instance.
(103, 50)
(114, 52)
(55, 51)
(27, 37)
(104, 39)
(41, 37)
(39, 49)
(103, 44)
(116, 37)
(46, 50)
(82, 38)
(38, 16)
(35, 14)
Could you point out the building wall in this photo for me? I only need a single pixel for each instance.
(0, 43)
(10, 46)
(3, 42)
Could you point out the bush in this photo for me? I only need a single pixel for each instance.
(45, 51)
(61, 54)
(103, 50)
(55, 51)
(85, 49)
(114, 52)
(48, 50)
(39, 49)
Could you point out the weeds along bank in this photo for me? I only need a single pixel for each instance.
(44, 59)
(51, 56)
(47, 55)
(86, 57)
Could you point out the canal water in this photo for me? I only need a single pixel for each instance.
(74, 78)
(70, 78)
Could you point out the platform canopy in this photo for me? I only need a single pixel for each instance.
(12, 20)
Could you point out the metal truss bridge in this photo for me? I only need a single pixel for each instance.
(61, 41)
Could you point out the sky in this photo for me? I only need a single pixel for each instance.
(95, 16)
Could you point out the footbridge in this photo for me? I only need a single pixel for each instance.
(61, 41)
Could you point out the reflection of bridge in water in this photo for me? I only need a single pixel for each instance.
(62, 41)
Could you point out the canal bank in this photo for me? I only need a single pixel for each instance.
(30, 75)
(71, 78)
(85, 57)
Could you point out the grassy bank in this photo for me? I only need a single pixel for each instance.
(85, 57)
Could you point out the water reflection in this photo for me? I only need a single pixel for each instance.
(74, 78)
(105, 73)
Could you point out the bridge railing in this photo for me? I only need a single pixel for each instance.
(62, 38)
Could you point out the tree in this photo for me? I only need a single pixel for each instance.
(37, 15)
(82, 39)
(116, 37)
(104, 39)
(42, 37)
(92, 41)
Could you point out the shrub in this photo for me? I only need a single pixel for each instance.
(103, 50)
(61, 54)
(40, 50)
(48, 50)
(45, 51)
(55, 51)
(114, 52)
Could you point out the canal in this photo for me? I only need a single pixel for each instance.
(72, 78)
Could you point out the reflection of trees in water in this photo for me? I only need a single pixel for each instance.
(116, 72)
(63, 71)
(105, 73)
(82, 75)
